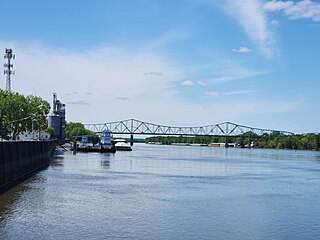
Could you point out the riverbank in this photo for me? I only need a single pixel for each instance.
(21, 159)
(275, 140)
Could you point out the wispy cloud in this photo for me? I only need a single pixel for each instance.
(277, 5)
(78, 93)
(122, 98)
(202, 83)
(295, 10)
(212, 94)
(187, 83)
(192, 83)
(235, 72)
(242, 49)
(153, 73)
(170, 37)
(106, 72)
(241, 92)
(222, 71)
(114, 75)
(79, 102)
(251, 16)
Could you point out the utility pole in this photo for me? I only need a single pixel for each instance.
(8, 67)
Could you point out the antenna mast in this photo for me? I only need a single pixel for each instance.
(8, 67)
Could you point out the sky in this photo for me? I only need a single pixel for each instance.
(177, 63)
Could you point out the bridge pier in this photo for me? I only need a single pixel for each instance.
(131, 140)
(226, 145)
(74, 146)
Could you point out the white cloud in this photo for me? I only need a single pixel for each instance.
(107, 72)
(213, 94)
(250, 15)
(187, 83)
(79, 102)
(169, 37)
(233, 71)
(191, 83)
(277, 5)
(119, 88)
(122, 98)
(154, 73)
(202, 83)
(295, 10)
(220, 71)
(241, 92)
(242, 49)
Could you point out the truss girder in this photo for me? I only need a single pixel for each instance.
(133, 126)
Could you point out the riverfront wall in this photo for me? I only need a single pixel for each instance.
(19, 160)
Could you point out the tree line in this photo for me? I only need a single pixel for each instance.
(19, 113)
(76, 129)
(274, 140)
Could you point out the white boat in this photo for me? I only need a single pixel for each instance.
(85, 143)
(122, 145)
(105, 145)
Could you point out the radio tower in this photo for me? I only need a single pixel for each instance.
(8, 67)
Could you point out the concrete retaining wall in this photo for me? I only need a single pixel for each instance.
(19, 160)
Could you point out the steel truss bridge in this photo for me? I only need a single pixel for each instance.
(133, 126)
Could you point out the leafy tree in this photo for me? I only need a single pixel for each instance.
(74, 129)
(17, 113)
(51, 131)
(38, 109)
(273, 140)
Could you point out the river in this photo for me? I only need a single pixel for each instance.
(169, 192)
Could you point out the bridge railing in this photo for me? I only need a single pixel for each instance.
(133, 126)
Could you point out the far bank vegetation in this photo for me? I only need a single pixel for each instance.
(275, 140)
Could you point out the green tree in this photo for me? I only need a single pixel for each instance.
(273, 140)
(74, 129)
(51, 131)
(17, 113)
(38, 109)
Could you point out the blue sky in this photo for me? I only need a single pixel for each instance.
(182, 62)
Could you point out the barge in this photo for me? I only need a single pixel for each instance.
(105, 144)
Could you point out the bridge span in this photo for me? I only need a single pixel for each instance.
(133, 126)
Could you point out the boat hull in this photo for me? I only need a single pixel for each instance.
(123, 148)
(122, 145)
(101, 150)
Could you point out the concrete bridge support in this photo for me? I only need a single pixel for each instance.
(131, 140)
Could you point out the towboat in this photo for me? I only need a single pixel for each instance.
(105, 144)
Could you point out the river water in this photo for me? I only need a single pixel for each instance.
(169, 192)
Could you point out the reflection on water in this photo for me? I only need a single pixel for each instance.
(14, 197)
(105, 163)
(7, 200)
(57, 162)
(168, 192)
